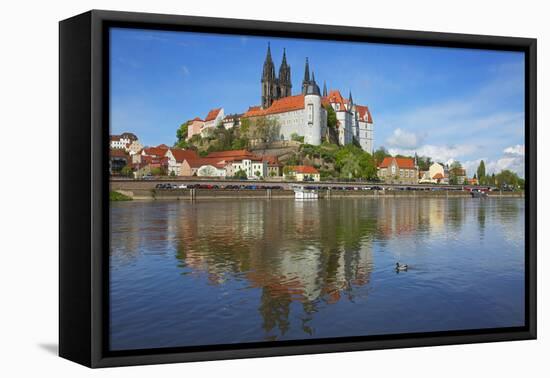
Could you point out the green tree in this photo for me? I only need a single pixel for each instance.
(245, 127)
(181, 135)
(296, 137)
(127, 171)
(331, 116)
(508, 179)
(240, 175)
(267, 129)
(380, 154)
(481, 173)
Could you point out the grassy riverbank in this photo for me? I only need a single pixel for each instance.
(116, 196)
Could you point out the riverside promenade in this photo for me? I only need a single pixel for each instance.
(146, 190)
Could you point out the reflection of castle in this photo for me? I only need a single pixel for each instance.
(287, 269)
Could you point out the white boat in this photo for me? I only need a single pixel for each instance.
(300, 192)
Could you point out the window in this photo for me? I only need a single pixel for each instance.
(310, 114)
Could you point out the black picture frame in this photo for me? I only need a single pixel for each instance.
(84, 187)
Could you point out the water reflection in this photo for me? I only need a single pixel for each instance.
(288, 266)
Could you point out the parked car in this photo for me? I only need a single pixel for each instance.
(182, 186)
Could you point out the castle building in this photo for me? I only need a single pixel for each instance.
(303, 115)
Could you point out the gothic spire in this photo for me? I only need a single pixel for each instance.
(284, 57)
(350, 100)
(306, 73)
(312, 76)
(269, 68)
(325, 94)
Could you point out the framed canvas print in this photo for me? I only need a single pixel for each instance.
(235, 188)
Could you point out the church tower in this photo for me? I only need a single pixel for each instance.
(285, 84)
(306, 80)
(269, 81)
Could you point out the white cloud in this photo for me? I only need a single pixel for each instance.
(517, 150)
(513, 159)
(444, 154)
(403, 139)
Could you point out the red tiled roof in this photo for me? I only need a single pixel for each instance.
(196, 119)
(253, 111)
(271, 160)
(304, 169)
(286, 104)
(283, 105)
(401, 162)
(364, 113)
(156, 151)
(181, 155)
(335, 97)
(230, 154)
(438, 176)
(212, 114)
(197, 163)
(118, 153)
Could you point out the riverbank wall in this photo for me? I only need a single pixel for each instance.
(199, 194)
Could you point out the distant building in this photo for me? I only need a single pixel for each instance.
(176, 156)
(194, 127)
(473, 181)
(458, 175)
(202, 167)
(398, 170)
(232, 120)
(274, 167)
(302, 173)
(118, 159)
(134, 147)
(435, 175)
(213, 119)
(121, 141)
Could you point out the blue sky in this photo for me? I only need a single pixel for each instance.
(450, 104)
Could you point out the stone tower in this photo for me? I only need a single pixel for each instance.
(274, 88)
(269, 81)
(285, 84)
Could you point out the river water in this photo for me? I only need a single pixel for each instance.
(231, 271)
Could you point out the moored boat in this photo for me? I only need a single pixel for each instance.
(301, 192)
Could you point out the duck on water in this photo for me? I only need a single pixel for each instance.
(401, 267)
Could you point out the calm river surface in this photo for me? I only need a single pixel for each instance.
(231, 271)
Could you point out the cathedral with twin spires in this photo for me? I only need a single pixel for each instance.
(305, 114)
(301, 115)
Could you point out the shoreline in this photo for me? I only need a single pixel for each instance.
(223, 194)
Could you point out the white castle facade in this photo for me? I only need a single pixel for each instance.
(305, 114)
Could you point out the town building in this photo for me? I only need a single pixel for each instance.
(121, 141)
(436, 174)
(302, 173)
(118, 159)
(176, 156)
(396, 170)
(213, 119)
(203, 167)
(232, 120)
(194, 127)
(134, 147)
